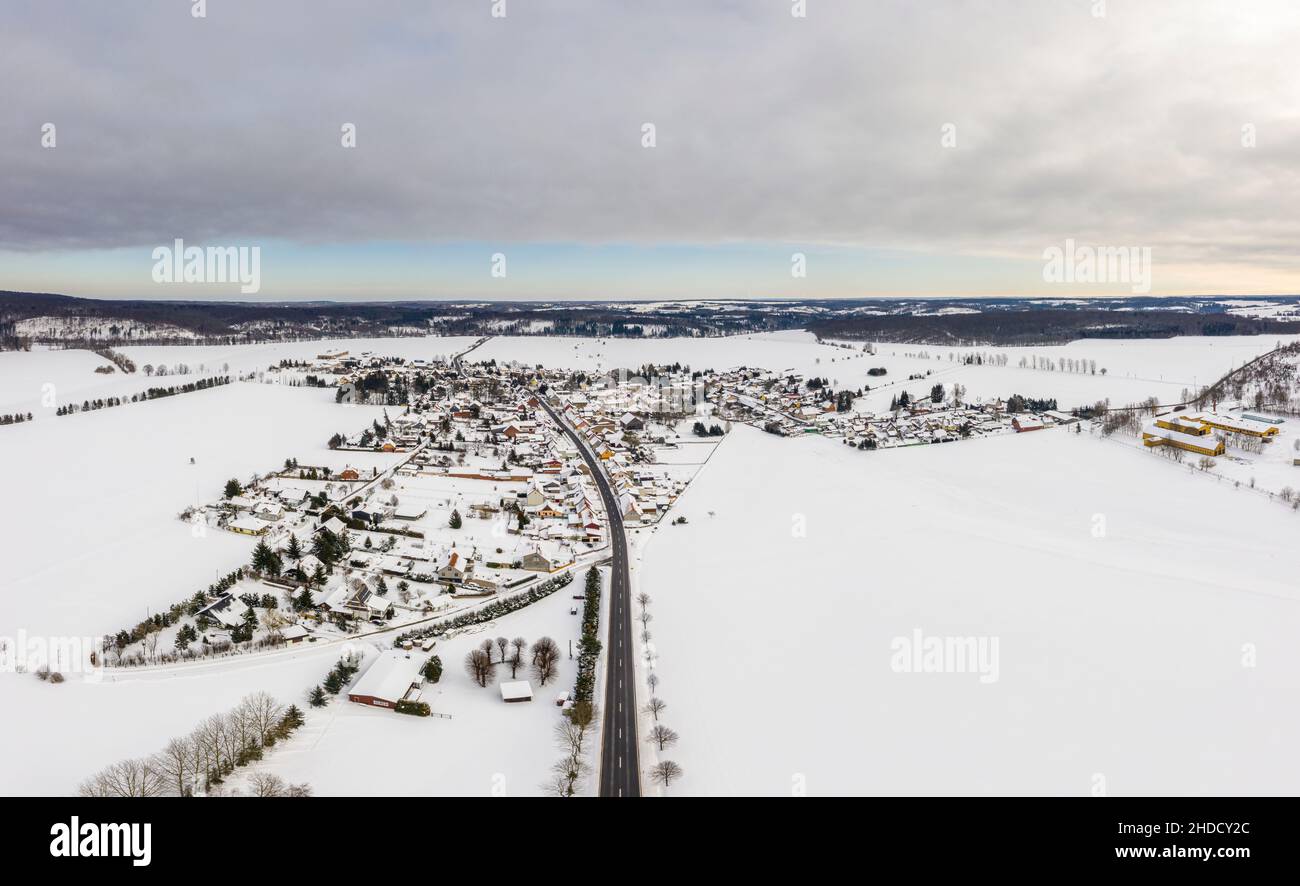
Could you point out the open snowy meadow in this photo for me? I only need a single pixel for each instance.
(97, 543)
(1131, 625)
(1104, 622)
(478, 747)
(1134, 369)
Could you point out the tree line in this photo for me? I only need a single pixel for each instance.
(200, 762)
(202, 384)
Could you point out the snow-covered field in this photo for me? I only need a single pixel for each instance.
(24, 376)
(1135, 370)
(92, 539)
(1120, 656)
(1127, 599)
(486, 748)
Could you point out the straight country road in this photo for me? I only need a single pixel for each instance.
(620, 767)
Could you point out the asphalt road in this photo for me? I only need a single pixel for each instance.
(620, 768)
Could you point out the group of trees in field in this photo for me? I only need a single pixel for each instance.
(15, 418)
(1018, 403)
(711, 431)
(204, 759)
(117, 358)
(482, 662)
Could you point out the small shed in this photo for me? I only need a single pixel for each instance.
(410, 511)
(517, 690)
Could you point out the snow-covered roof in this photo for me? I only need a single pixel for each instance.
(248, 524)
(517, 690)
(390, 677)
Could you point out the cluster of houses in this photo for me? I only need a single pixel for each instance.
(623, 443)
(936, 423)
(786, 405)
(267, 502)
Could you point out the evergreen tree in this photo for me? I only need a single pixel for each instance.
(317, 698)
(432, 670)
(455, 521)
(233, 488)
(263, 557)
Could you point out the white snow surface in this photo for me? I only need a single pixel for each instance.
(1121, 658)
(94, 544)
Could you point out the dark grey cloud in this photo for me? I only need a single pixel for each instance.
(1121, 129)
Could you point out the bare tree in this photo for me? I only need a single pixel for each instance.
(643, 599)
(95, 786)
(652, 680)
(557, 786)
(274, 621)
(654, 707)
(479, 666)
(266, 784)
(261, 713)
(569, 736)
(567, 777)
(174, 764)
(519, 645)
(664, 772)
(646, 617)
(546, 656)
(210, 734)
(487, 647)
(662, 736)
(128, 778)
(571, 733)
(503, 645)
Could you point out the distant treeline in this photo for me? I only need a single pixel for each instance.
(151, 394)
(242, 322)
(1041, 326)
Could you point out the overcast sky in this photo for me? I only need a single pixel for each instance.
(774, 134)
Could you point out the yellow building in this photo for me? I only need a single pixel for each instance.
(1185, 425)
(1201, 444)
(1235, 425)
